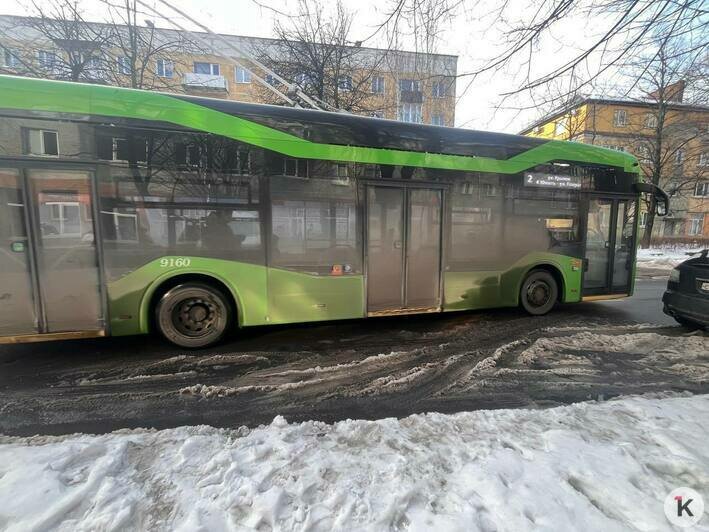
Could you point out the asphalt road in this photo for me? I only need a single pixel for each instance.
(645, 306)
(357, 369)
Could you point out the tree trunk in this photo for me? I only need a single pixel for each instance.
(649, 223)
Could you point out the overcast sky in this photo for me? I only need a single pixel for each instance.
(474, 36)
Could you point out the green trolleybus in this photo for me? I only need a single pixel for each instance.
(125, 212)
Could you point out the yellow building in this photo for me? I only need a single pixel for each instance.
(392, 84)
(632, 126)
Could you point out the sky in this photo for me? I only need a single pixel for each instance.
(475, 35)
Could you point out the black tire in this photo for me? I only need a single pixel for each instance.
(539, 292)
(193, 315)
(689, 324)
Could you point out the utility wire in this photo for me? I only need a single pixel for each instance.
(205, 43)
(292, 88)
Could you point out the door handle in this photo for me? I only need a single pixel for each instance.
(397, 244)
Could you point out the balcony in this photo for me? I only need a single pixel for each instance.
(204, 81)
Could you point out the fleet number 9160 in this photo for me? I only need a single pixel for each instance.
(175, 262)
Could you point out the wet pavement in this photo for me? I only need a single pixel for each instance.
(356, 369)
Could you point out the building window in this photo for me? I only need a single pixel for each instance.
(210, 69)
(42, 142)
(668, 227)
(411, 112)
(342, 170)
(12, 58)
(409, 85)
(439, 89)
(679, 157)
(643, 153)
(615, 147)
(437, 120)
(344, 83)
(378, 85)
(295, 167)
(165, 68)
(620, 118)
(703, 159)
(643, 219)
(124, 66)
(47, 60)
(696, 224)
(701, 189)
(489, 190)
(122, 149)
(468, 188)
(650, 121)
(92, 67)
(188, 155)
(560, 127)
(243, 75)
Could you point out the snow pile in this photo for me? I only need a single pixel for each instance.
(664, 258)
(587, 466)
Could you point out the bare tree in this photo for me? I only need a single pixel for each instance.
(119, 51)
(622, 29)
(315, 51)
(569, 123)
(669, 138)
(74, 45)
(136, 50)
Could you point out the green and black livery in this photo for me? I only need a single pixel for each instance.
(163, 167)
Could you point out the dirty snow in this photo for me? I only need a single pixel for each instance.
(575, 352)
(655, 349)
(589, 466)
(664, 258)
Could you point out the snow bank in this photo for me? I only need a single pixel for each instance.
(587, 466)
(664, 258)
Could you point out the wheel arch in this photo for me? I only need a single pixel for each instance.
(163, 284)
(555, 272)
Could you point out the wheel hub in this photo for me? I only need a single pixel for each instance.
(195, 316)
(538, 293)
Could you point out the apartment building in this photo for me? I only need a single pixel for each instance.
(393, 84)
(631, 126)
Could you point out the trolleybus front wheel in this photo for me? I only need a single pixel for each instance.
(193, 315)
(539, 292)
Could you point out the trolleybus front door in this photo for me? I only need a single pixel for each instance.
(403, 249)
(610, 246)
(54, 286)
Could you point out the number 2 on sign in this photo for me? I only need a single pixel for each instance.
(175, 262)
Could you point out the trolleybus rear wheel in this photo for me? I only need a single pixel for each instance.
(539, 292)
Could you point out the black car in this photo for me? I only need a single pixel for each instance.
(687, 296)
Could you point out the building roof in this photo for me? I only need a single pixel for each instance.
(20, 28)
(675, 106)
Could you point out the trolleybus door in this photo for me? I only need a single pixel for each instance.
(403, 249)
(17, 305)
(610, 246)
(50, 275)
